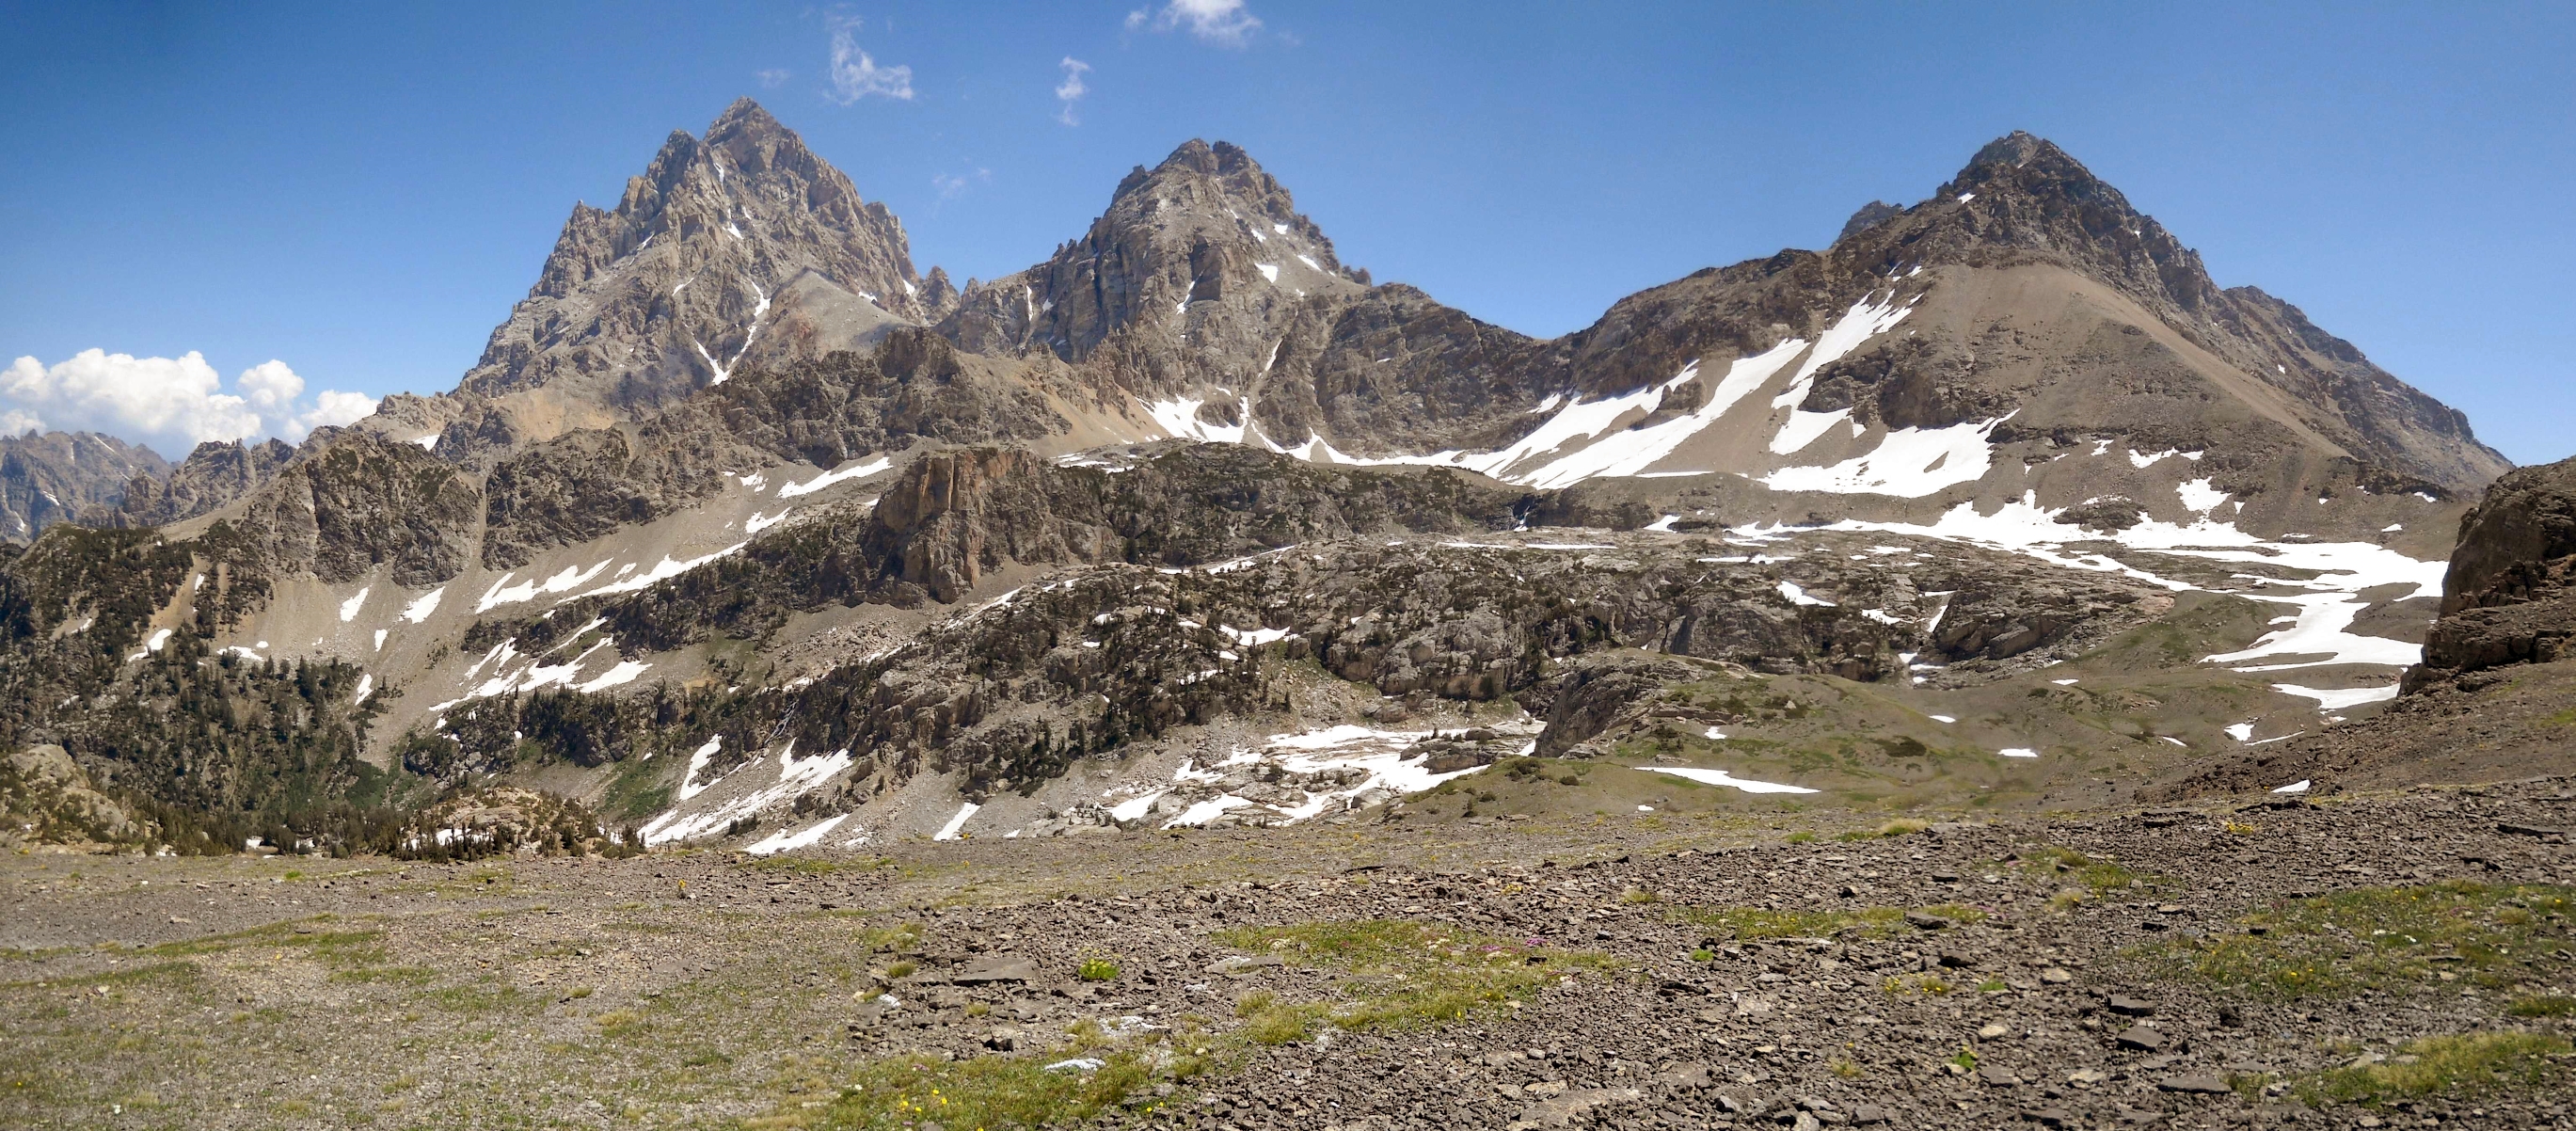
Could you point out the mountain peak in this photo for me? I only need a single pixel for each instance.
(728, 248)
(744, 115)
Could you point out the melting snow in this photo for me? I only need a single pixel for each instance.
(349, 608)
(380, 640)
(1372, 760)
(2299, 786)
(624, 673)
(1908, 463)
(949, 831)
(366, 687)
(419, 610)
(689, 786)
(2241, 732)
(1721, 777)
(1269, 271)
(755, 524)
(1180, 418)
(784, 841)
(661, 571)
(854, 471)
(2337, 699)
(2199, 497)
(566, 580)
(794, 777)
(1865, 320)
(2018, 752)
(1797, 596)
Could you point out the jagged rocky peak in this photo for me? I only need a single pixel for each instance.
(740, 247)
(49, 477)
(1207, 225)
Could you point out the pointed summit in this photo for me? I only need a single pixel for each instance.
(1205, 234)
(744, 116)
(738, 247)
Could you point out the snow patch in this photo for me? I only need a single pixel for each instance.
(950, 831)
(349, 608)
(1721, 777)
(854, 471)
(419, 610)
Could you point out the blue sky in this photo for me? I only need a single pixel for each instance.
(362, 193)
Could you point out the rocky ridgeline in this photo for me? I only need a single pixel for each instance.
(1401, 584)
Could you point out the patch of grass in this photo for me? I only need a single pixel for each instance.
(1400, 974)
(1753, 924)
(2543, 1005)
(2103, 876)
(1096, 970)
(1802, 836)
(2381, 938)
(619, 1023)
(987, 1092)
(1901, 826)
(890, 940)
(2448, 1065)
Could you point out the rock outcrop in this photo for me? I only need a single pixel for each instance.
(2510, 595)
(357, 501)
(215, 475)
(46, 799)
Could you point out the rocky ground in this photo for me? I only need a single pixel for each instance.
(2364, 960)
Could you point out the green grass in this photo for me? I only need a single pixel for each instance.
(1901, 826)
(1399, 975)
(2449, 1065)
(2380, 938)
(987, 1093)
(2543, 1005)
(1096, 970)
(2052, 864)
(1752, 924)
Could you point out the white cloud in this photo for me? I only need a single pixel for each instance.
(269, 386)
(1071, 89)
(1221, 22)
(336, 408)
(856, 75)
(772, 78)
(171, 404)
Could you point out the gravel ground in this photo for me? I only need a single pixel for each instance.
(1646, 971)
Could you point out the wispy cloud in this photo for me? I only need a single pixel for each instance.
(953, 185)
(1222, 22)
(170, 403)
(772, 78)
(855, 74)
(1071, 89)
